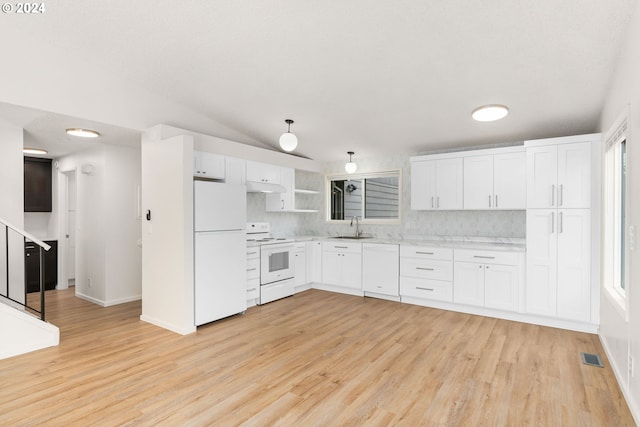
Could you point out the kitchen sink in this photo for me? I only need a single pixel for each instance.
(352, 237)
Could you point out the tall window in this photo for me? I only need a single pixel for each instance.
(615, 229)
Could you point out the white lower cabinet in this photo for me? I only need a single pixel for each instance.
(314, 262)
(253, 273)
(342, 264)
(559, 263)
(380, 268)
(300, 267)
(426, 272)
(488, 279)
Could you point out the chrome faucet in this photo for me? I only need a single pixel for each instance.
(358, 231)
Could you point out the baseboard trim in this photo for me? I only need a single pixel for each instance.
(173, 328)
(635, 411)
(91, 299)
(123, 300)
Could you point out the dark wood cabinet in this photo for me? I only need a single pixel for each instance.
(32, 266)
(37, 184)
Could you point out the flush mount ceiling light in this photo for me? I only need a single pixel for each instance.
(288, 141)
(34, 151)
(490, 113)
(84, 133)
(350, 166)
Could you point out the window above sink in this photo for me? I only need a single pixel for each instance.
(372, 197)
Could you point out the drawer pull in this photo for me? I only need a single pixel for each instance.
(251, 290)
(424, 289)
(252, 253)
(424, 253)
(341, 247)
(425, 268)
(484, 257)
(252, 269)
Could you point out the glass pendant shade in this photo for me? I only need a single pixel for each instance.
(350, 166)
(288, 141)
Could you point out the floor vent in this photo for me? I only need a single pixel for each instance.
(591, 359)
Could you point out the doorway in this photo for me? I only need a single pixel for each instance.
(69, 227)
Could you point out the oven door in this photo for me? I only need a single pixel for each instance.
(276, 262)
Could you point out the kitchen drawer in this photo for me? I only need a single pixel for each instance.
(426, 252)
(427, 289)
(253, 268)
(342, 247)
(486, 257)
(253, 288)
(253, 252)
(300, 246)
(426, 269)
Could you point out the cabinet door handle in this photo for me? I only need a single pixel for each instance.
(489, 200)
(560, 196)
(553, 195)
(484, 257)
(553, 222)
(438, 202)
(487, 267)
(425, 268)
(282, 201)
(496, 196)
(424, 253)
(424, 289)
(560, 222)
(480, 266)
(432, 206)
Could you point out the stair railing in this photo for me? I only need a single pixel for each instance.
(42, 247)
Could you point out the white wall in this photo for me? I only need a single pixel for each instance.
(108, 258)
(12, 207)
(90, 222)
(123, 252)
(167, 238)
(622, 339)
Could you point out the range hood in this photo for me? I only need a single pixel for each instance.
(264, 187)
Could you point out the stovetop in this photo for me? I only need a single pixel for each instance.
(259, 233)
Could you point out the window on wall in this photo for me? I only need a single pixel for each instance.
(615, 214)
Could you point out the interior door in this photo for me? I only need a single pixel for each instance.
(70, 228)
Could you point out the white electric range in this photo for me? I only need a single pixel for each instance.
(276, 262)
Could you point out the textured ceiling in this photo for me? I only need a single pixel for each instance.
(375, 77)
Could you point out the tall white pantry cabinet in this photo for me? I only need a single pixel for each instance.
(563, 223)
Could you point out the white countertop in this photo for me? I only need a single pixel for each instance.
(458, 242)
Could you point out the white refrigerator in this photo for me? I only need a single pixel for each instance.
(220, 270)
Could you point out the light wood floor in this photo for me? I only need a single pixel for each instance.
(315, 359)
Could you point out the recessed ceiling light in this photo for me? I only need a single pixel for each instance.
(84, 133)
(34, 151)
(490, 113)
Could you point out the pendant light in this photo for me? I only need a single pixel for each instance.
(288, 141)
(350, 166)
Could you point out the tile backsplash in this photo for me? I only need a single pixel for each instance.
(413, 224)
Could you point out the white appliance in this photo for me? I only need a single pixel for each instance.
(276, 262)
(220, 270)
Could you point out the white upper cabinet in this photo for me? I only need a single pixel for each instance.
(574, 175)
(559, 176)
(436, 184)
(510, 180)
(263, 172)
(209, 165)
(283, 202)
(495, 181)
(236, 172)
(478, 182)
